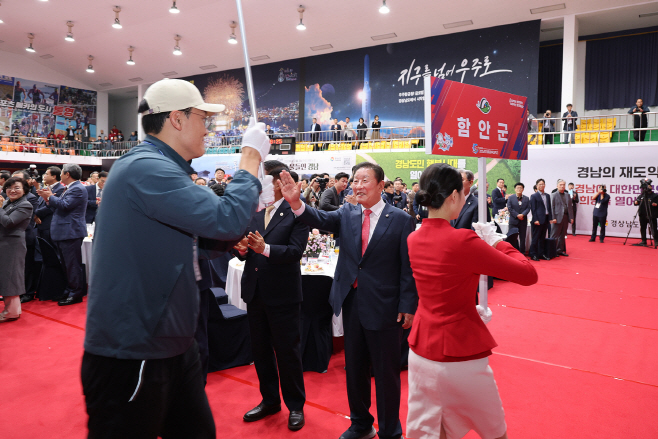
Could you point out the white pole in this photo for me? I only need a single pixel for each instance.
(482, 217)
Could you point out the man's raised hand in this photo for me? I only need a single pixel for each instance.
(290, 190)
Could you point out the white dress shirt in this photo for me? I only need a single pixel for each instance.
(275, 206)
(377, 210)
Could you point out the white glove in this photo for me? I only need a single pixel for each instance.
(256, 138)
(266, 197)
(485, 313)
(487, 231)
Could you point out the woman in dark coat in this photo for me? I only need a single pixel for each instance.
(14, 219)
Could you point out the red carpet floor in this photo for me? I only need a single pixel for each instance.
(577, 358)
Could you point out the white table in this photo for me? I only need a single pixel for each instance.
(86, 256)
(234, 288)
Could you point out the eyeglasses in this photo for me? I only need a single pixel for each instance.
(15, 189)
(207, 120)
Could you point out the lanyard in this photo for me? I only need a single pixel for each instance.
(153, 144)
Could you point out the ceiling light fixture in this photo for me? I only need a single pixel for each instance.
(548, 8)
(177, 50)
(232, 39)
(90, 68)
(0, 18)
(174, 9)
(31, 38)
(384, 9)
(130, 61)
(69, 35)
(650, 14)
(301, 25)
(117, 23)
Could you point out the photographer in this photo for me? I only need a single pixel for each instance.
(601, 201)
(648, 211)
(312, 192)
(548, 127)
(639, 119)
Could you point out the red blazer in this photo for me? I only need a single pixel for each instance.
(446, 264)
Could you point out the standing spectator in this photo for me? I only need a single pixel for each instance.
(133, 136)
(200, 181)
(376, 125)
(70, 133)
(315, 134)
(540, 207)
(387, 194)
(361, 131)
(31, 275)
(44, 213)
(68, 229)
(219, 178)
(336, 129)
(639, 119)
(269, 131)
(375, 291)
(349, 130)
(562, 209)
(272, 289)
(574, 201)
(312, 192)
(470, 212)
(570, 118)
(600, 214)
(85, 134)
(15, 216)
(120, 137)
(532, 126)
(548, 127)
(399, 197)
(499, 196)
(330, 199)
(114, 132)
(94, 195)
(411, 196)
(647, 203)
(518, 206)
(4, 176)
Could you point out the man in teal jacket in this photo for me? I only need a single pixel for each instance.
(140, 370)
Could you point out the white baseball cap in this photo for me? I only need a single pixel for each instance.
(176, 94)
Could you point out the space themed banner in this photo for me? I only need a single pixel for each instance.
(470, 121)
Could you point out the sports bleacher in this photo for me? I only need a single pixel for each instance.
(594, 124)
(369, 145)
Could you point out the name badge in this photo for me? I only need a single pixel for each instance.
(519, 203)
(597, 205)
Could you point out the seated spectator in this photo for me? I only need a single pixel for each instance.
(133, 137)
(120, 137)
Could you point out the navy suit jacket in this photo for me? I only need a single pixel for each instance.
(469, 214)
(44, 211)
(498, 200)
(68, 221)
(537, 207)
(515, 209)
(279, 274)
(386, 284)
(92, 207)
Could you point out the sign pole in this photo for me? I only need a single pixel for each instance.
(482, 217)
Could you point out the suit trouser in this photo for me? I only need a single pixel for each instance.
(70, 255)
(598, 221)
(381, 350)
(538, 243)
(276, 341)
(201, 333)
(559, 232)
(639, 135)
(523, 233)
(573, 226)
(146, 399)
(31, 269)
(570, 133)
(644, 221)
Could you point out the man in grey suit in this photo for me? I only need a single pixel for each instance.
(518, 206)
(68, 228)
(562, 209)
(330, 199)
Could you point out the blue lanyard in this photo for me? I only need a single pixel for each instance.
(150, 143)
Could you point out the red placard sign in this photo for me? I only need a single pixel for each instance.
(469, 121)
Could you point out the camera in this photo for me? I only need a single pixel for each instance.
(32, 171)
(645, 184)
(397, 198)
(322, 182)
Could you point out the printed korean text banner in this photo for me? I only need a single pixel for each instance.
(472, 121)
(620, 169)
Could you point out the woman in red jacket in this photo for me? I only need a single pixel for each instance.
(451, 386)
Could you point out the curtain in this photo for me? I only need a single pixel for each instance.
(549, 92)
(620, 70)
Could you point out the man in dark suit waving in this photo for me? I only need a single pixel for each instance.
(375, 289)
(272, 289)
(68, 228)
(540, 206)
(44, 213)
(518, 206)
(94, 195)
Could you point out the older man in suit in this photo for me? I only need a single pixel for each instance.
(562, 209)
(272, 289)
(518, 206)
(470, 211)
(44, 212)
(68, 229)
(499, 197)
(540, 206)
(375, 289)
(94, 195)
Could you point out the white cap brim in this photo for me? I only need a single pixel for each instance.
(211, 108)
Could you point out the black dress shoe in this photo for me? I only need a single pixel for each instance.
(296, 420)
(546, 258)
(535, 258)
(355, 434)
(69, 301)
(640, 244)
(562, 254)
(261, 411)
(27, 298)
(602, 241)
(592, 240)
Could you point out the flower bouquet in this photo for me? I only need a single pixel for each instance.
(316, 244)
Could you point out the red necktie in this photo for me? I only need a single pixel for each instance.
(365, 234)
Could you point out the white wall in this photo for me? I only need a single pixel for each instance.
(123, 114)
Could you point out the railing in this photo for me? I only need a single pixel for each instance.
(41, 145)
(599, 129)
